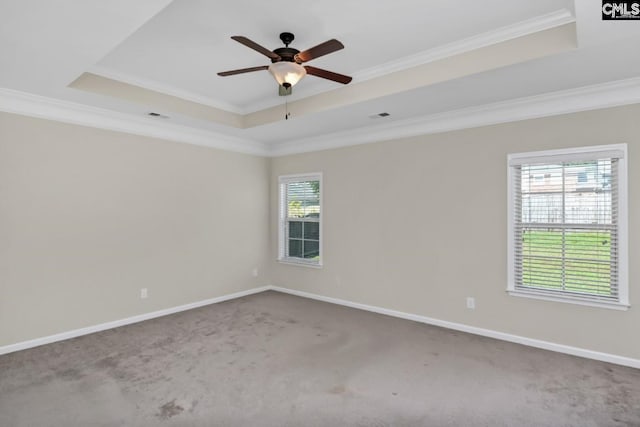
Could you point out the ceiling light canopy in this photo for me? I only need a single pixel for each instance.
(287, 74)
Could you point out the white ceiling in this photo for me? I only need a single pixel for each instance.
(176, 47)
(184, 45)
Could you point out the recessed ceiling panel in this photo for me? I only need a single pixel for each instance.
(182, 48)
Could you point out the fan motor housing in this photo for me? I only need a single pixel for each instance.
(286, 53)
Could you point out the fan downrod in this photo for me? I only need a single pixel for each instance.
(286, 38)
(286, 54)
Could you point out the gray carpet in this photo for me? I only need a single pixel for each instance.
(276, 360)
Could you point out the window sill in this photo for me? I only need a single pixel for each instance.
(569, 300)
(290, 261)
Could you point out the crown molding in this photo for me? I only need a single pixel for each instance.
(606, 95)
(12, 101)
(499, 35)
(164, 89)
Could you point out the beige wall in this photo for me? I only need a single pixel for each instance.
(417, 225)
(88, 217)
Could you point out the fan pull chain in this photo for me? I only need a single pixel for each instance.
(286, 110)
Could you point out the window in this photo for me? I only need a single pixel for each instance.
(300, 219)
(568, 232)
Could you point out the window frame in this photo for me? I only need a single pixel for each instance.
(565, 155)
(283, 258)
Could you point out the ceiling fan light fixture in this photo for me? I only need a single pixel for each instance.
(286, 73)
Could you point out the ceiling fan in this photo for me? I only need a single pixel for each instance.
(286, 62)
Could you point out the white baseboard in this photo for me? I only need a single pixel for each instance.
(129, 320)
(546, 345)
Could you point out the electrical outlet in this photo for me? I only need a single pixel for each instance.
(144, 293)
(471, 302)
(255, 272)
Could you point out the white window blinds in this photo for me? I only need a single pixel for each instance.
(566, 230)
(300, 198)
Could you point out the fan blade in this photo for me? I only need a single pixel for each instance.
(317, 51)
(243, 70)
(255, 46)
(329, 75)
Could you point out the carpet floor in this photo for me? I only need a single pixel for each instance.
(272, 359)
